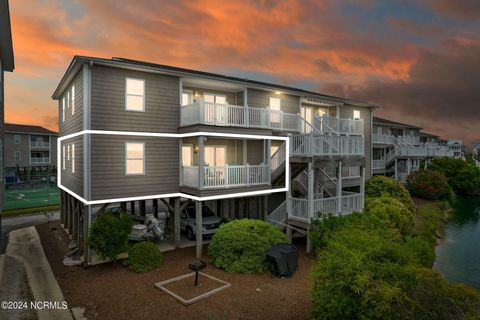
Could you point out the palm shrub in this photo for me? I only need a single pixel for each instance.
(379, 185)
(241, 245)
(144, 256)
(109, 235)
(429, 184)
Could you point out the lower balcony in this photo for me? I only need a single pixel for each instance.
(228, 176)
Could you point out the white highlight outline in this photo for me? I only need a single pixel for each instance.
(286, 188)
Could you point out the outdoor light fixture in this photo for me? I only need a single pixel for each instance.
(277, 92)
(195, 148)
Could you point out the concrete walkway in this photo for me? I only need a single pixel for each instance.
(24, 253)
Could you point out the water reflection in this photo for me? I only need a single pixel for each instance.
(458, 254)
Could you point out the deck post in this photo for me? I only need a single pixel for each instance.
(176, 218)
(362, 189)
(309, 242)
(201, 162)
(396, 168)
(339, 188)
(198, 232)
(87, 215)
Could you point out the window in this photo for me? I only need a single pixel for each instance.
(135, 94)
(73, 99)
(17, 155)
(63, 109)
(216, 156)
(68, 152)
(187, 97)
(68, 99)
(16, 139)
(187, 155)
(215, 98)
(134, 158)
(356, 114)
(63, 157)
(73, 158)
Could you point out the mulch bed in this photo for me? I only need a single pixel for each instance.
(110, 291)
(186, 289)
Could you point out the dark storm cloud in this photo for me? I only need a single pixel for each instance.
(463, 9)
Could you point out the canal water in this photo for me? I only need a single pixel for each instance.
(458, 253)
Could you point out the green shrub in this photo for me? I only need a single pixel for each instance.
(109, 235)
(429, 184)
(463, 177)
(379, 185)
(144, 256)
(392, 212)
(241, 245)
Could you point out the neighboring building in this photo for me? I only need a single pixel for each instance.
(476, 154)
(458, 149)
(28, 150)
(136, 134)
(6, 64)
(399, 148)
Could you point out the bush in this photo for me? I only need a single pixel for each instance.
(109, 235)
(379, 185)
(241, 245)
(143, 257)
(462, 176)
(392, 212)
(429, 184)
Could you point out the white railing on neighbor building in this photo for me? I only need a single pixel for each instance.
(390, 139)
(279, 215)
(349, 203)
(307, 145)
(378, 164)
(328, 124)
(227, 176)
(39, 144)
(348, 172)
(39, 160)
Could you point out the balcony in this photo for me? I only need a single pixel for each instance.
(39, 145)
(40, 160)
(378, 164)
(308, 145)
(228, 115)
(333, 125)
(228, 176)
(391, 139)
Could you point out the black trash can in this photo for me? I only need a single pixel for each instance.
(282, 260)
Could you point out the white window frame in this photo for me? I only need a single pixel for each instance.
(189, 146)
(127, 158)
(73, 157)
(68, 152)
(359, 115)
(215, 95)
(135, 95)
(73, 100)
(215, 147)
(190, 99)
(15, 153)
(15, 140)
(63, 157)
(63, 109)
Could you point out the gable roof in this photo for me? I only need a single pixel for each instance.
(27, 129)
(77, 61)
(6, 45)
(425, 134)
(377, 120)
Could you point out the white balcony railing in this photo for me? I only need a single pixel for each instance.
(227, 176)
(348, 172)
(390, 139)
(325, 145)
(378, 164)
(349, 203)
(39, 160)
(327, 124)
(39, 144)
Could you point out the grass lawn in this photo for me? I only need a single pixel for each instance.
(31, 197)
(428, 219)
(17, 212)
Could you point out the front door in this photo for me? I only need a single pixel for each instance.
(216, 108)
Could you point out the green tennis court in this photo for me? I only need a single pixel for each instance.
(16, 198)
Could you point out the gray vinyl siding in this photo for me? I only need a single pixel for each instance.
(73, 123)
(162, 102)
(365, 114)
(10, 149)
(255, 151)
(261, 99)
(73, 181)
(108, 167)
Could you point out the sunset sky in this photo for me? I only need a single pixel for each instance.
(419, 60)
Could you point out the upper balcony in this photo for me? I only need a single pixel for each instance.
(339, 126)
(229, 115)
(395, 140)
(39, 145)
